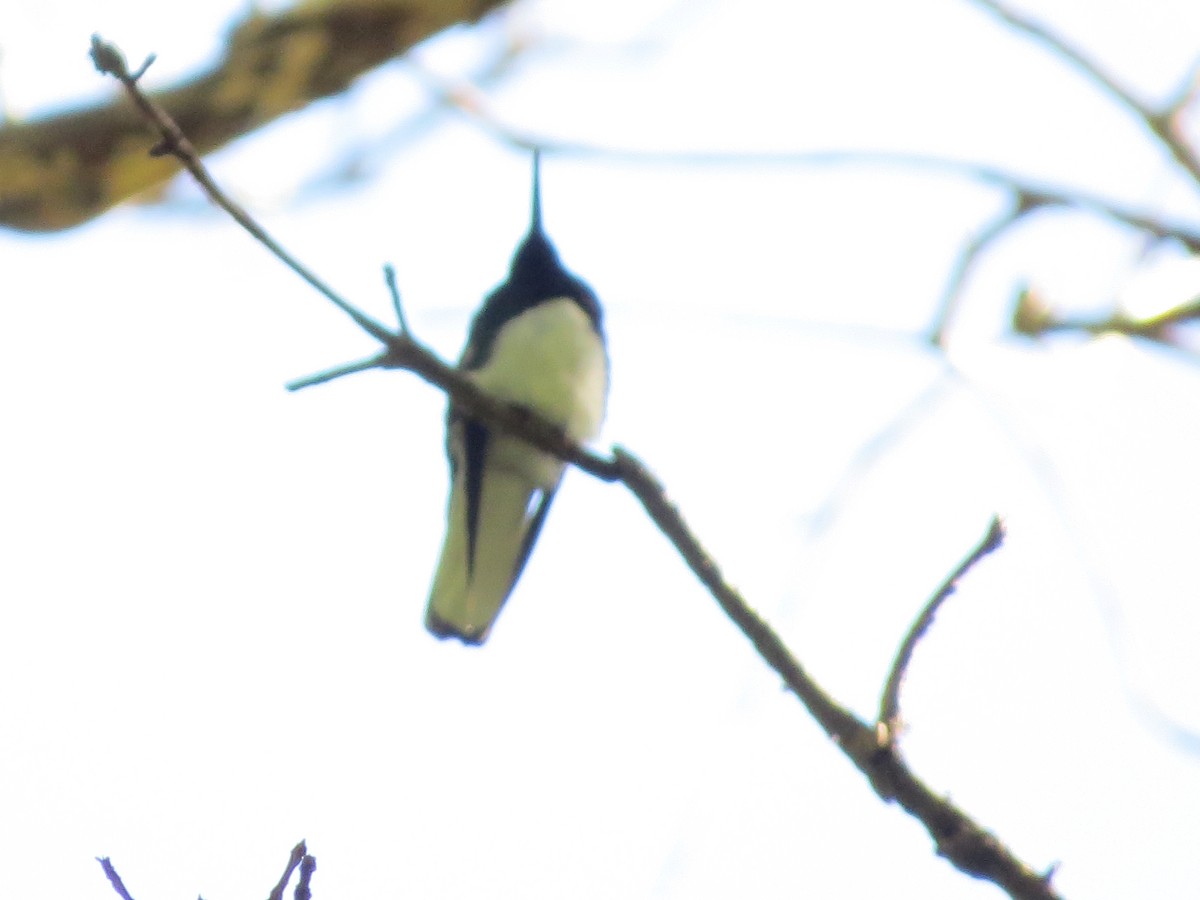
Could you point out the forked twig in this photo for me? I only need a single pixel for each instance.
(298, 854)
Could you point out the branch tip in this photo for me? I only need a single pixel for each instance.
(308, 865)
(389, 278)
(379, 360)
(137, 76)
(889, 703)
(295, 858)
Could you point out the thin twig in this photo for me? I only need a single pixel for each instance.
(350, 368)
(970, 847)
(113, 878)
(389, 278)
(299, 852)
(307, 866)
(889, 705)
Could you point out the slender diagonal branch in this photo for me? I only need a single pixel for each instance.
(298, 854)
(113, 878)
(966, 844)
(1033, 317)
(308, 865)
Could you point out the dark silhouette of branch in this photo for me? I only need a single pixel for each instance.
(113, 878)
(308, 865)
(957, 837)
(889, 704)
(299, 854)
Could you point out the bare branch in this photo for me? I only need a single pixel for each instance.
(1160, 124)
(967, 845)
(307, 866)
(350, 368)
(113, 878)
(889, 706)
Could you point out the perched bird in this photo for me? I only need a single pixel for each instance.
(537, 341)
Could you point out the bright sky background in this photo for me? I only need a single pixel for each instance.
(211, 641)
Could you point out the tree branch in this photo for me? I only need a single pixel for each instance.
(1160, 124)
(966, 844)
(61, 171)
(889, 705)
(113, 878)
(298, 855)
(1033, 317)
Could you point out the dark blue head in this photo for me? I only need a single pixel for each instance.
(536, 275)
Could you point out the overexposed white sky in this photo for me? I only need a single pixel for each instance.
(211, 590)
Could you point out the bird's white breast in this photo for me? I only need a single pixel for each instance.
(550, 359)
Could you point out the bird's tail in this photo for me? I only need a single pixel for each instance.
(474, 578)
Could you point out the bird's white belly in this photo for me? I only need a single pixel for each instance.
(551, 360)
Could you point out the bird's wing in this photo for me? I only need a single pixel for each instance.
(500, 494)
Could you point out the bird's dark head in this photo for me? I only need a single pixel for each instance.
(536, 275)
